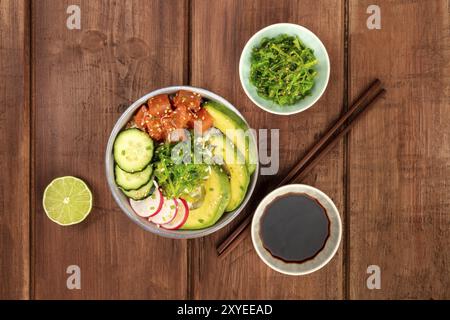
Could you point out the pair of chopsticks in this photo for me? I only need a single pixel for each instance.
(342, 126)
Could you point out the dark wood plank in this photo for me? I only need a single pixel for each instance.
(220, 31)
(84, 80)
(399, 155)
(14, 150)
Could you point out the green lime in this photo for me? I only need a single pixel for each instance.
(67, 200)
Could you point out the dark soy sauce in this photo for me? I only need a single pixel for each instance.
(294, 227)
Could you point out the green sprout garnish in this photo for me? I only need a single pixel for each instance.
(178, 179)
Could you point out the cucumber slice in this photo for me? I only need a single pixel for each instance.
(133, 150)
(142, 192)
(132, 181)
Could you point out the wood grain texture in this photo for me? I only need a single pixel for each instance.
(219, 32)
(84, 79)
(14, 150)
(399, 156)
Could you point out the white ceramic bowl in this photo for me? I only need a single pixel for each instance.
(311, 41)
(123, 201)
(323, 257)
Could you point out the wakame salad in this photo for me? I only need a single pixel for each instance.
(183, 161)
(282, 69)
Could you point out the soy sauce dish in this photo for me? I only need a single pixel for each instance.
(296, 229)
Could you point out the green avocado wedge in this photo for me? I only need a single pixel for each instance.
(217, 196)
(234, 163)
(235, 129)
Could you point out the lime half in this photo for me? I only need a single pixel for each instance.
(67, 200)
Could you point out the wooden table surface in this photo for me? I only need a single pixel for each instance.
(62, 90)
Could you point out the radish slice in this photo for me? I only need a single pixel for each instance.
(167, 213)
(180, 218)
(150, 206)
(158, 201)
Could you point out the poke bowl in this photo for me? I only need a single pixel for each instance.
(181, 162)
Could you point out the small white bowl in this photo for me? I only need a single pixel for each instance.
(323, 257)
(311, 41)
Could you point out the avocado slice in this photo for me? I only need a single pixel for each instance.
(217, 196)
(235, 129)
(233, 161)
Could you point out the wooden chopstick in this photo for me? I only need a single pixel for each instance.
(360, 101)
(316, 153)
(303, 173)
